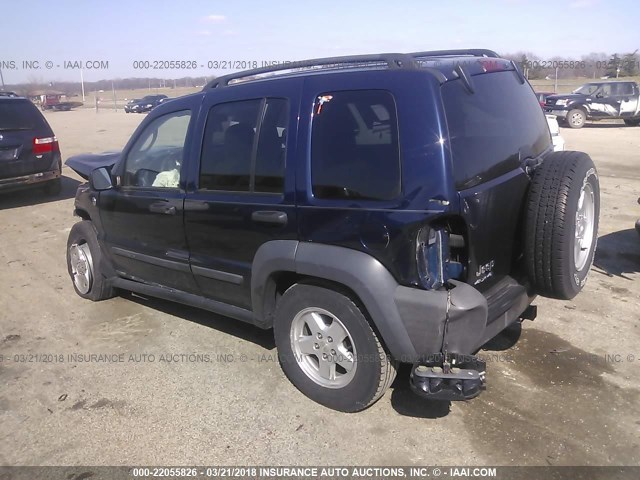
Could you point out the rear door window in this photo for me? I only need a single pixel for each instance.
(494, 128)
(270, 154)
(622, 89)
(245, 145)
(354, 146)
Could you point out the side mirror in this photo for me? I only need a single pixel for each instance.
(100, 179)
(599, 95)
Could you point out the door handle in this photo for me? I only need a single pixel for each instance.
(163, 208)
(270, 216)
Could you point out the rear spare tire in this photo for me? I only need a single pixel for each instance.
(561, 227)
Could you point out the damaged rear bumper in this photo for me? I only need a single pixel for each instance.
(472, 318)
(457, 322)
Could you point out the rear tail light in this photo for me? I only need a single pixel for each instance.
(432, 257)
(45, 145)
(439, 257)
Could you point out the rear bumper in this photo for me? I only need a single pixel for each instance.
(25, 181)
(473, 318)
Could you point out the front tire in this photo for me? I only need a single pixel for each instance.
(328, 349)
(576, 118)
(561, 228)
(84, 263)
(632, 122)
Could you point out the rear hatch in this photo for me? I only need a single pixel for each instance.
(26, 140)
(496, 126)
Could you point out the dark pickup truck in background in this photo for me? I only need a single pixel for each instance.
(597, 101)
(145, 104)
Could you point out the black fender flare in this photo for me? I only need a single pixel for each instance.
(361, 273)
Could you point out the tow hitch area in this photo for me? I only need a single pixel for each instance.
(458, 377)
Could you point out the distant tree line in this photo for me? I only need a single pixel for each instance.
(36, 85)
(592, 65)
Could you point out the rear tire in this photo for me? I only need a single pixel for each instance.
(576, 118)
(310, 323)
(632, 122)
(84, 263)
(562, 224)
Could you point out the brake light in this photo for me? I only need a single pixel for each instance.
(45, 145)
(492, 65)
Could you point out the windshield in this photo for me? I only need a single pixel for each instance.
(587, 89)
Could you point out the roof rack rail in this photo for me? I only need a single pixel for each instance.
(474, 52)
(392, 61)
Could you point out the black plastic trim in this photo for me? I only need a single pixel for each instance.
(158, 262)
(412, 325)
(271, 257)
(370, 281)
(217, 275)
(185, 298)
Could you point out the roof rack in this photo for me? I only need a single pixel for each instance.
(390, 60)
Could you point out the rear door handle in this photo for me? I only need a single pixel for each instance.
(270, 216)
(162, 207)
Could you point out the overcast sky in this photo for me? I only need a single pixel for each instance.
(121, 32)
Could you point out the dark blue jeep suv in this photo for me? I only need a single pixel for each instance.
(372, 210)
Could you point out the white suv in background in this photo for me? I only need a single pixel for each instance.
(558, 141)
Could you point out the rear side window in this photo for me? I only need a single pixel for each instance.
(492, 129)
(354, 146)
(622, 89)
(244, 146)
(20, 115)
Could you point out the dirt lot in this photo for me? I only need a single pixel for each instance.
(566, 393)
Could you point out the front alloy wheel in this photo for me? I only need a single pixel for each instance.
(81, 267)
(85, 263)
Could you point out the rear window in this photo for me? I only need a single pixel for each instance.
(20, 115)
(492, 129)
